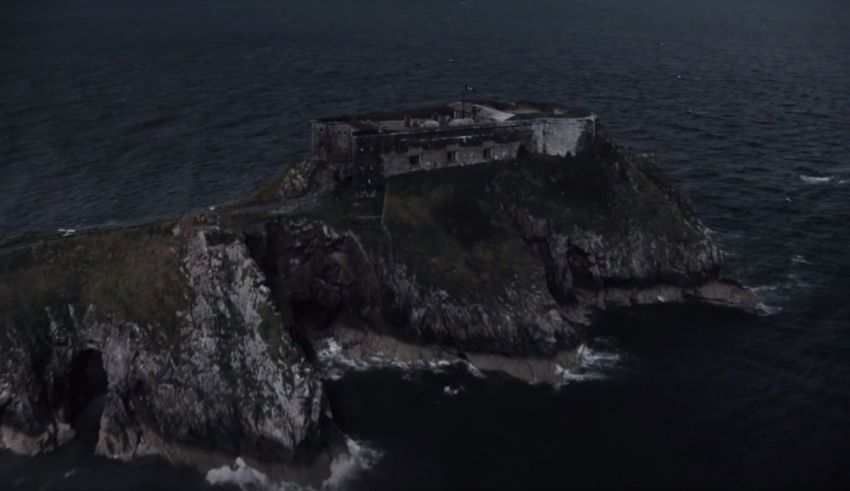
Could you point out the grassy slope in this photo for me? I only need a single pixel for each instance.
(445, 229)
(133, 274)
(446, 224)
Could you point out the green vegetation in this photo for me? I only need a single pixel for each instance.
(342, 212)
(269, 193)
(607, 197)
(294, 181)
(455, 226)
(451, 237)
(133, 274)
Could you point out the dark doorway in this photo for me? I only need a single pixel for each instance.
(522, 152)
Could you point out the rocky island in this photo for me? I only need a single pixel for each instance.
(488, 234)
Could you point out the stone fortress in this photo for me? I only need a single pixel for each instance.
(369, 148)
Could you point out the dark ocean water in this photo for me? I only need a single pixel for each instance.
(121, 111)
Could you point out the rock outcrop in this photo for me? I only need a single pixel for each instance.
(194, 354)
(515, 259)
(206, 329)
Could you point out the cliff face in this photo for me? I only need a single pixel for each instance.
(194, 354)
(513, 258)
(206, 330)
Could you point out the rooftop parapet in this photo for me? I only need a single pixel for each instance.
(455, 114)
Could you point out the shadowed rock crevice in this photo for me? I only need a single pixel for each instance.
(87, 387)
(86, 381)
(315, 274)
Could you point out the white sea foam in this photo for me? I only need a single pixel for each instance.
(343, 469)
(793, 281)
(452, 391)
(335, 362)
(473, 370)
(767, 310)
(799, 259)
(591, 358)
(763, 290)
(816, 179)
(594, 360)
(239, 474)
(774, 294)
(770, 292)
(333, 359)
(593, 364)
(567, 376)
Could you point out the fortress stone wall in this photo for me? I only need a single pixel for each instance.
(370, 148)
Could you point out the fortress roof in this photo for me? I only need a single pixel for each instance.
(473, 112)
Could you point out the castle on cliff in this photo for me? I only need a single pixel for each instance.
(369, 148)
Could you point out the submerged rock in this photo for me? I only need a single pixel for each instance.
(207, 328)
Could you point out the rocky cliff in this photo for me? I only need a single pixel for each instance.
(205, 334)
(514, 258)
(193, 353)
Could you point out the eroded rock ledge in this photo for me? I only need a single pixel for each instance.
(206, 328)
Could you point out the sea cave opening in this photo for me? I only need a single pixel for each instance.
(309, 315)
(87, 384)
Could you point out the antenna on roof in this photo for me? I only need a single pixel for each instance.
(466, 88)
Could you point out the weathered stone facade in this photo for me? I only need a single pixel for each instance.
(371, 147)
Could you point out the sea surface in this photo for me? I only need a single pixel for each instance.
(124, 111)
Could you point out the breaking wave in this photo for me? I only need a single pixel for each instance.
(767, 310)
(344, 468)
(452, 391)
(347, 466)
(243, 476)
(594, 360)
(775, 294)
(816, 179)
(594, 363)
(334, 362)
